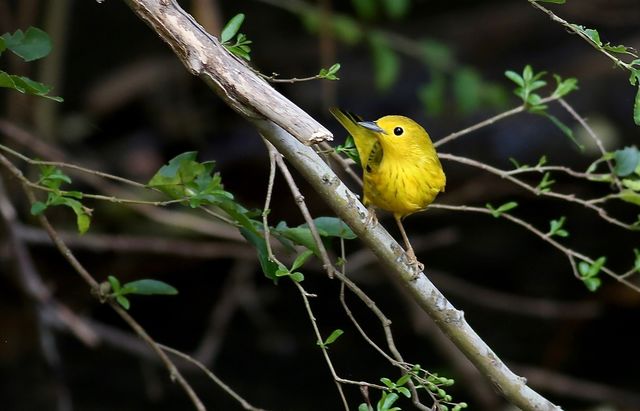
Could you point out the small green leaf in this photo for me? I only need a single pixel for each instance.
(333, 227)
(497, 212)
(636, 108)
(297, 276)
(349, 149)
(545, 184)
(38, 208)
(630, 196)
(593, 35)
(620, 49)
(366, 9)
(631, 184)
(592, 283)
(330, 73)
(301, 259)
(231, 28)
(123, 301)
(269, 268)
(115, 284)
(385, 62)
(515, 77)
(564, 87)
(387, 382)
(404, 391)
(565, 129)
(148, 287)
(31, 45)
(333, 337)
(83, 221)
(364, 407)
(403, 380)
(556, 228)
(396, 8)
(626, 161)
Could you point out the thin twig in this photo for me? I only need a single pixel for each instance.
(314, 324)
(570, 253)
(244, 403)
(94, 286)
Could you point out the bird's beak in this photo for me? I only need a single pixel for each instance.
(371, 125)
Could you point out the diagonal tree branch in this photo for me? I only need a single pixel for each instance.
(283, 124)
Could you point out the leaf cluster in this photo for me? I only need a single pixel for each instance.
(119, 292)
(528, 82)
(31, 45)
(52, 178)
(197, 185)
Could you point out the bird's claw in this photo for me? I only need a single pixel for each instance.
(372, 219)
(416, 266)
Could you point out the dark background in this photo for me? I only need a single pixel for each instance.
(130, 106)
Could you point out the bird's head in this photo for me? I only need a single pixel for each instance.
(398, 134)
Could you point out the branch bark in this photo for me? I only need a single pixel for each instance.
(291, 131)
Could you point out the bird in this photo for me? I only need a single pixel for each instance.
(401, 170)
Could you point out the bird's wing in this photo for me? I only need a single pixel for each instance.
(365, 139)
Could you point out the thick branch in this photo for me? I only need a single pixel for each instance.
(242, 89)
(238, 85)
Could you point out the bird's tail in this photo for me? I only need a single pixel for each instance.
(364, 139)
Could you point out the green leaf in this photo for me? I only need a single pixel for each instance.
(564, 87)
(630, 196)
(396, 8)
(30, 45)
(403, 380)
(269, 267)
(620, 49)
(300, 235)
(26, 85)
(301, 259)
(115, 284)
(333, 227)
(231, 28)
(404, 391)
(364, 407)
(123, 301)
(636, 262)
(556, 228)
(83, 221)
(365, 9)
(467, 86)
(564, 128)
(432, 94)
(387, 382)
(385, 62)
(148, 287)
(38, 208)
(515, 77)
(437, 55)
(387, 401)
(330, 73)
(593, 35)
(297, 276)
(636, 108)
(626, 161)
(632, 184)
(497, 212)
(349, 149)
(333, 336)
(545, 183)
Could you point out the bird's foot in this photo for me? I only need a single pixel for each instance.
(416, 266)
(371, 220)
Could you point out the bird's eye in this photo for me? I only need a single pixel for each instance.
(398, 131)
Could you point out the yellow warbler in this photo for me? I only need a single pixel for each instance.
(401, 170)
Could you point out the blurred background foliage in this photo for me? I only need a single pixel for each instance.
(129, 106)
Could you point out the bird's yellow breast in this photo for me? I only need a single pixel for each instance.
(404, 187)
